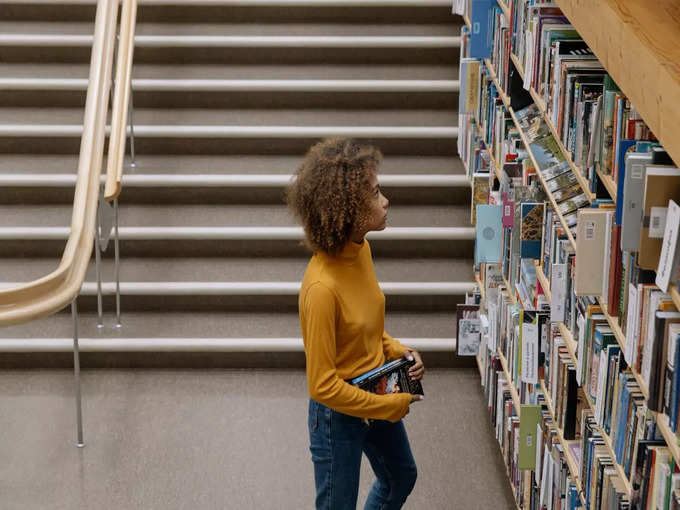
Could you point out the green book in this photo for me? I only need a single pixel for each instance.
(528, 424)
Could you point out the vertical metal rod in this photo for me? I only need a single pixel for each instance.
(131, 122)
(98, 264)
(117, 261)
(76, 370)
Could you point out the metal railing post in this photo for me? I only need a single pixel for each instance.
(76, 370)
(98, 264)
(117, 261)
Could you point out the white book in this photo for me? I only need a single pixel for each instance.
(558, 293)
(529, 353)
(633, 199)
(581, 322)
(606, 257)
(630, 330)
(668, 261)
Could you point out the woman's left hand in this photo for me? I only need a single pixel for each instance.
(417, 371)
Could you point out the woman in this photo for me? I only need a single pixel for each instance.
(342, 314)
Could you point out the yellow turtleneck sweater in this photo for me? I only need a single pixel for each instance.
(342, 314)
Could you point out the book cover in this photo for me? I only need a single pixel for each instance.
(633, 194)
(531, 229)
(390, 378)
(480, 194)
(489, 229)
(590, 251)
(669, 390)
(668, 261)
(528, 425)
(659, 354)
(481, 43)
(662, 183)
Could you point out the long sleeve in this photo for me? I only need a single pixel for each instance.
(392, 348)
(319, 326)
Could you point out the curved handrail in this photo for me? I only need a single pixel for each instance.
(56, 290)
(121, 100)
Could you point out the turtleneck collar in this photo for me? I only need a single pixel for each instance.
(349, 253)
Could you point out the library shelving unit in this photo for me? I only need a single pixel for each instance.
(640, 49)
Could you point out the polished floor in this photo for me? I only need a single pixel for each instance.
(219, 439)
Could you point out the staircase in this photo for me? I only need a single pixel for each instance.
(228, 95)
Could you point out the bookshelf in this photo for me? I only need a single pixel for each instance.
(640, 49)
(647, 71)
(466, 19)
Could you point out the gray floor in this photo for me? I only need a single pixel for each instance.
(218, 439)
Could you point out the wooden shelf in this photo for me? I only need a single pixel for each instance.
(505, 8)
(513, 390)
(571, 462)
(479, 366)
(538, 101)
(574, 168)
(668, 435)
(518, 65)
(641, 40)
(494, 163)
(608, 183)
(675, 295)
(544, 281)
(466, 19)
(506, 101)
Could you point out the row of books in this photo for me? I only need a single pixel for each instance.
(561, 346)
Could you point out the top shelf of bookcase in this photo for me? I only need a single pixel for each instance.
(638, 42)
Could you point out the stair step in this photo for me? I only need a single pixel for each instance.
(221, 164)
(223, 215)
(270, 269)
(215, 325)
(240, 11)
(141, 71)
(227, 34)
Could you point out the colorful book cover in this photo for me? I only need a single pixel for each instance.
(489, 230)
(390, 378)
(480, 194)
(531, 229)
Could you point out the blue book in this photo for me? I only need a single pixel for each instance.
(531, 231)
(481, 40)
(623, 147)
(675, 390)
(489, 234)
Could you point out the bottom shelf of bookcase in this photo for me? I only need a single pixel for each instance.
(571, 461)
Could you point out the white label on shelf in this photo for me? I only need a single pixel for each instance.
(590, 229)
(657, 222)
(636, 171)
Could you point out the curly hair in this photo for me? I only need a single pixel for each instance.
(330, 191)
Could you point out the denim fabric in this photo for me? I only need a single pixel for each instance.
(337, 442)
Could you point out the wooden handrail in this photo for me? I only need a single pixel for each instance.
(121, 100)
(56, 290)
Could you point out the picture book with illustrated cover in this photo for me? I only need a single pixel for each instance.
(390, 378)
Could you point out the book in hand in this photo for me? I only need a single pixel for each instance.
(390, 378)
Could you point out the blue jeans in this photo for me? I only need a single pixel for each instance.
(336, 443)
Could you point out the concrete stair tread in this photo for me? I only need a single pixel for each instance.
(229, 164)
(59, 215)
(244, 117)
(242, 29)
(216, 325)
(237, 269)
(242, 72)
